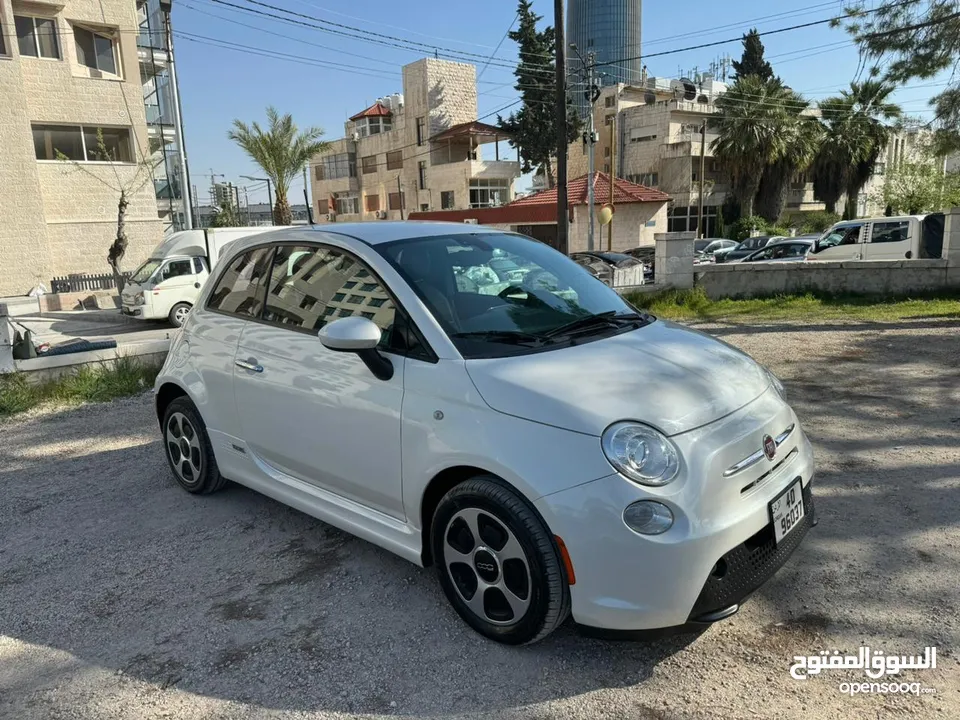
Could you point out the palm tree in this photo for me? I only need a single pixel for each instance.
(873, 111)
(750, 125)
(801, 134)
(281, 151)
(856, 130)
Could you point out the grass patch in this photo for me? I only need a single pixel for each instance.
(90, 383)
(695, 305)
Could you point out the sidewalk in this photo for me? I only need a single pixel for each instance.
(60, 326)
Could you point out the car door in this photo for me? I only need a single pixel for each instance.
(315, 414)
(212, 335)
(843, 242)
(176, 284)
(889, 240)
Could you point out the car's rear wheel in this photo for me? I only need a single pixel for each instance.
(178, 314)
(188, 448)
(498, 564)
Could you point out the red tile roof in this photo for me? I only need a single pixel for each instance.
(624, 191)
(375, 110)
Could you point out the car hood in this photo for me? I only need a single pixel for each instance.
(130, 290)
(662, 374)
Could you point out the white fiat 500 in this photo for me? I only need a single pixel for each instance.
(475, 400)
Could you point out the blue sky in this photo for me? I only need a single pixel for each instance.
(218, 84)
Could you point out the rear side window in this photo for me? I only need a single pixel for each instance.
(238, 290)
(884, 232)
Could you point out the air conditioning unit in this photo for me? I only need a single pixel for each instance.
(331, 217)
(381, 214)
(471, 221)
(356, 137)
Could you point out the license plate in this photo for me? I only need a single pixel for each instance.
(786, 510)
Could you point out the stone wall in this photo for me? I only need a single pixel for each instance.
(868, 277)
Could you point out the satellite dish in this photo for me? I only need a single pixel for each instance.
(650, 99)
(689, 89)
(703, 99)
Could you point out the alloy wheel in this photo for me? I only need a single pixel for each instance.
(487, 566)
(183, 447)
(180, 315)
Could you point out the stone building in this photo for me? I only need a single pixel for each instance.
(68, 70)
(415, 151)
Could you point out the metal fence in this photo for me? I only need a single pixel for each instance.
(83, 282)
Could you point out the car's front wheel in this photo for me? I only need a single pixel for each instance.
(498, 564)
(178, 314)
(188, 448)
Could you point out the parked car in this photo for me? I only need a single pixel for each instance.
(883, 238)
(744, 248)
(712, 247)
(792, 250)
(548, 448)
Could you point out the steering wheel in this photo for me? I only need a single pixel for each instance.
(505, 293)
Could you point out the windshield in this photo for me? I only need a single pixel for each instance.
(700, 245)
(143, 273)
(491, 308)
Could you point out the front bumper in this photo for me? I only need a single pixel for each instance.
(718, 552)
(131, 310)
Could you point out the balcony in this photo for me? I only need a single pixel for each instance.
(494, 169)
(686, 148)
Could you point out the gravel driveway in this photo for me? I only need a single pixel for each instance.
(122, 596)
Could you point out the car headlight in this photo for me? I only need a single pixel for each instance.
(777, 385)
(641, 453)
(138, 299)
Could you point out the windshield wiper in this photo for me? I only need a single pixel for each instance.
(514, 337)
(610, 318)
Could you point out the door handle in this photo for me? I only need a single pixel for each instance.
(250, 365)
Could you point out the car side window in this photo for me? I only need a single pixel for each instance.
(884, 232)
(176, 268)
(311, 286)
(238, 290)
(850, 235)
(762, 255)
(197, 265)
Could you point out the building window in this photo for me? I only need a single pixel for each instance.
(486, 192)
(96, 50)
(642, 138)
(323, 206)
(606, 167)
(3, 42)
(446, 200)
(424, 207)
(347, 204)
(395, 201)
(369, 164)
(422, 174)
(373, 126)
(395, 160)
(372, 203)
(341, 165)
(606, 152)
(610, 101)
(608, 120)
(55, 142)
(684, 219)
(318, 172)
(37, 37)
(648, 179)
(421, 130)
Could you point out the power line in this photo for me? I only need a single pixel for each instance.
(487, 64)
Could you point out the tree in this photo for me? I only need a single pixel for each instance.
(226, 215)
(916, 39)
(801, 135)
(752, 61)
(919, 185)
(126, 183)
(750, 122)
(281, 151)
(856, 131)
(533, 128)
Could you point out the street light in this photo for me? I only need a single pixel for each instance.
(269, 192)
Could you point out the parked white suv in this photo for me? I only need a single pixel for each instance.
(547, 447)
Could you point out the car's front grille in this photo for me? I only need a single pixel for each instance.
(750, 564)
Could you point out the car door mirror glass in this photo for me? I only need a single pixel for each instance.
(350, 334)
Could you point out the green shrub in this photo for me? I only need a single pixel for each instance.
(16, 394)
(817, 221)
(745, 227)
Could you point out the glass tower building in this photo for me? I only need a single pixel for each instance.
(611, 30)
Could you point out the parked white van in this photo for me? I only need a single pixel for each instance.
(166, 286)
(883, 238)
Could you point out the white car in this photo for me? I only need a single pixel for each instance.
(548, 448)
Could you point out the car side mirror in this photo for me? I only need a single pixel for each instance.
(361, 336)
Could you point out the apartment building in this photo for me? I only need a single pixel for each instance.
(419, 150)
(652, 132)
(69, 71)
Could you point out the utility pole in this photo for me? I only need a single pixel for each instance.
(236, 193)
(591, 135)
(613, 174)
(563, 244)
(701, 233)
(400, 193)
(306, 197)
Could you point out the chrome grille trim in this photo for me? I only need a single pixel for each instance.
(753, 458)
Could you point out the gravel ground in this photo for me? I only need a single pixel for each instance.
(122, 596)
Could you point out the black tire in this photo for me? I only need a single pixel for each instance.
(548, 592)
(178, 314)
(181, 414)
